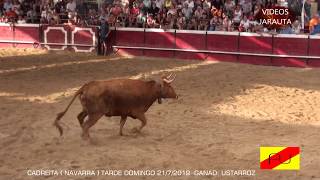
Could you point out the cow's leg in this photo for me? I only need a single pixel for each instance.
(122, 122)
(93, 118)
(143, 120)
(81, 117)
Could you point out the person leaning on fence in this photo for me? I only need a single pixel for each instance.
(104, 32)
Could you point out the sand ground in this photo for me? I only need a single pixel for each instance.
(225, 112)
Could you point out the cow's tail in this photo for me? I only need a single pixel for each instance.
(61, 114)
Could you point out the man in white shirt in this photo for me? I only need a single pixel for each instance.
(190, 4)
(71, 6)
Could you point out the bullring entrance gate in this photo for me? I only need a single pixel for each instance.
(263, 49)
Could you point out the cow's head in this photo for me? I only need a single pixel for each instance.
(167, 90)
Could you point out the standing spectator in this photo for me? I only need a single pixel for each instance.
(147, 5)
(206, 5)
(247, 7)
(186, 11)
(217, 3)
(81, 9)
(256, 10)
(7, 5)
(237, 16)
(71, 9)
(159, 3)
(168, 4)
(229, 7)
(16, 7)
(190, 4)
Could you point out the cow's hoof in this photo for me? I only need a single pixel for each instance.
(85, 137)
(135, 130)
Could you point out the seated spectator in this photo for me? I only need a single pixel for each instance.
(181, 21)
(32, 15)
(314, 24)
(21, 20)
(168, 21)
(213, 23)
(286, 30)
(192, 24)
(151, 22)
(296, 27)
(226, 24)
(154, 10)
(173, 11)
(198, 13)
(203, 22)
(244, 25)
(216, 12)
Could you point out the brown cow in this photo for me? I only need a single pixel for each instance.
(118, 97)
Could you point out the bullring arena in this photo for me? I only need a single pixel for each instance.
(224, 113)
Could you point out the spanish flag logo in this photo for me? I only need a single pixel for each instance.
(280, 158)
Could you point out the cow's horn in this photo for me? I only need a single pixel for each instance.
(167, 80)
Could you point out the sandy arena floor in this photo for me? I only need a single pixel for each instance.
(226, 111)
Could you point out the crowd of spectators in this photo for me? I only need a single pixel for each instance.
(211, 15)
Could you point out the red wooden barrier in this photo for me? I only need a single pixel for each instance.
(55, 37)
(158, 38)
(83, 39)
(6, 35)
(255, 43)
(222, 41)
(190, 40)
(130, 37)
(314, 50)
(27, 33)
(285, 44)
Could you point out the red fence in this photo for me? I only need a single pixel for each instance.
(252, 48)
(264, 49)
(79, 39)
